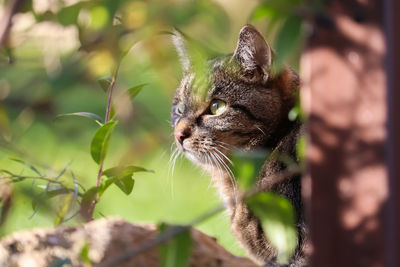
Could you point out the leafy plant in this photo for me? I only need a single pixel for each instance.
(276, 214)
(176, 251)
(106, 31)
(122, 176)
(286, 18)
(278, 222)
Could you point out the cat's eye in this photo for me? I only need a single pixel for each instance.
(180, 108)
(217, 107)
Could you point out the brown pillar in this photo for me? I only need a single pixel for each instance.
(392, 23)
(344, 95)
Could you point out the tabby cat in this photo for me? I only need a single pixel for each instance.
(246, 106)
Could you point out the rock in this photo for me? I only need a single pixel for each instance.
(104, 240)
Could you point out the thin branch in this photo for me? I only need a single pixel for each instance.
(5, 200)
(110, 93)
(107, 118)
(15, 178)
(22, 154)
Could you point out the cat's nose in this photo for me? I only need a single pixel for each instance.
(181, 135)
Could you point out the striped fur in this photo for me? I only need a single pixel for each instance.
(256, 117)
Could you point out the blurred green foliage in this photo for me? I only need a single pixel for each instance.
(59, 59)
(278, 220)
(176, 251)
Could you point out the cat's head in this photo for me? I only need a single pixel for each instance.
(245, 104)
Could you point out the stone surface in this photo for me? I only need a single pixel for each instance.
(105, 239)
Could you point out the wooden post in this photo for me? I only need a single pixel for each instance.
(392, 21)
(344, 94)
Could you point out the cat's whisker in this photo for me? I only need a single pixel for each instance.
(222, 154)
(177, 154)
(172, 146)
(170, 159)
(226, 167)
(173, 159)
(208, 160)
(261, 130)
(225, 145)
(172, 155)
(171, 166)
(222, 146)
(230, 174)
(216, 164)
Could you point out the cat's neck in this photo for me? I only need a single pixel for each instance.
(284, 129)
(226, 183)
(227, 188)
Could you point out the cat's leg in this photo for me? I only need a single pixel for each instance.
(247, 229)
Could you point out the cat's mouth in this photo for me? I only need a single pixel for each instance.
(206, 152)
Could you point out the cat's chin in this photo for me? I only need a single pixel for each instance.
(194, 157)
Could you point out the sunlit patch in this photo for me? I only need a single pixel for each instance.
(101, 63)
(135, 14)
(99, 17)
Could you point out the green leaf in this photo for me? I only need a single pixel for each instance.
(125, 183)
(76, 189)
(246, 167)
(84, 255)
(122, 176)
(89, 115)
(134, 91)
(63, 171)
(124, 170)
(287, 39)
(105, 83)
(69, 15)
(99, 145)
(104, 185)
(51, 192)
(54, 191)
(62, 211)
(34, 206)
(176, 251)
(30, 166)
(262, 12)
(273, 9)
(112, 112)
(301, 148)
(293, 113)
(278, 222)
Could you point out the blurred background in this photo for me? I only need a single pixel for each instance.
(50, 64)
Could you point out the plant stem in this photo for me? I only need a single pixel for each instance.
(110, 93)
(100, 173)
(107, 118)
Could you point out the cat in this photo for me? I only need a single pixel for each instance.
(245, 106)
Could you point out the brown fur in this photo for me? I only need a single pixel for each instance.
(255, 117)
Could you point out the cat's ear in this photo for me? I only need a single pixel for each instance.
(179, 42)
(253, 54)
